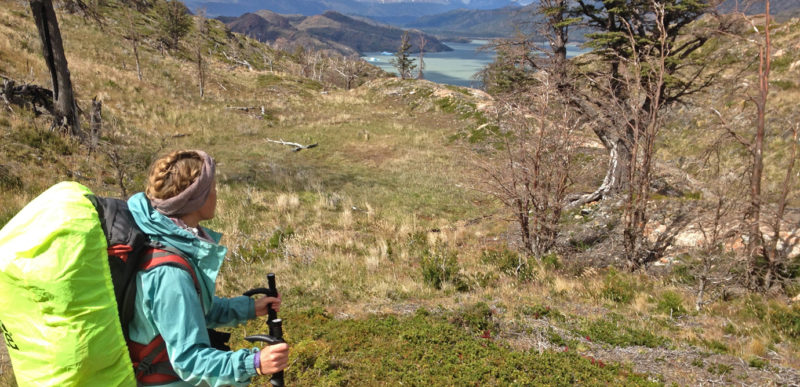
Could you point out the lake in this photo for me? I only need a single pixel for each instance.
(455, 67)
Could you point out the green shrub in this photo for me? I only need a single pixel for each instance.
(9, 180)
(554, 338)
(786, 320)
(280, 235)
(782, 62)
(670, 303)
(757, 362)
(754, 307)
(417, 241)
(476, 317)
(614, 331)
(720, 369)
(509, 263)
(783, 85)
(539, 311)
(682, 273)
(439, 266)
(617, 288)
(551, 261)
(715, 346)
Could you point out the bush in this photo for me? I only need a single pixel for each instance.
(670, 303)
(617, 288)
(551, 261)
(786, 320)
(613, 331)
(509, 263)
(538, 311)
(9, 180)
(439, 266)
(280, 235)
(476, 317)
(757, 362)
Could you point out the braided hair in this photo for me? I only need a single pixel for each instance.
(173, 173)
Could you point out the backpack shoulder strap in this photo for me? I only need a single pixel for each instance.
(165, 256)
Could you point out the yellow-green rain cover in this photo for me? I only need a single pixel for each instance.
(57, 306)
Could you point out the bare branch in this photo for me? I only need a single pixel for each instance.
(297, 147)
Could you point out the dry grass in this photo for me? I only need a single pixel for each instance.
(385, 172)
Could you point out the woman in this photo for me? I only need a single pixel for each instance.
(170, 303)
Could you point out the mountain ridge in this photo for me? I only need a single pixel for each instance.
(329, 32)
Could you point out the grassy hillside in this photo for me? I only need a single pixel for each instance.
(392, 270)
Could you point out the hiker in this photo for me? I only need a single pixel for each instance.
(181, 192)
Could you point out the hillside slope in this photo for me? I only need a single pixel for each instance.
(394, 269)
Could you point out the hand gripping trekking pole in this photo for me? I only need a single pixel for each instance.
(273, 322)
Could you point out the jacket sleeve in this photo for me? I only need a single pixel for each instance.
(178, 317)
(228, 312)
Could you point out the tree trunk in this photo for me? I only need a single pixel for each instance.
(617, 171)
(96, 124)
(753, 215)
(201, 73)
(136, 54)
(66, 108)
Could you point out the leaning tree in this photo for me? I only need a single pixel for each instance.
(65, 106)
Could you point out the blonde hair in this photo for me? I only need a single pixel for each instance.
(172, 174)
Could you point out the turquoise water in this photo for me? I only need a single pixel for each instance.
(457, 67)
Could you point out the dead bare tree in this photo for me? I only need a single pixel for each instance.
(132, 35)
(96, 124)
(715, 270)
(120, 169)
(38, 99)
(202, 35)
(422, 42)
(348, 68)
(65, 105)
(530, 173)
(765, 252)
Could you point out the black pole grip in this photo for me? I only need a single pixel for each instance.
(275, 337)
(273, 292)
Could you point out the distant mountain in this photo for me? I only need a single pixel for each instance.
(468, 23)
(777, 7)
(387, 11)
(487, 24)
(330, 32)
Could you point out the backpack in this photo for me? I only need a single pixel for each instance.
(68, 263)
(57, 304)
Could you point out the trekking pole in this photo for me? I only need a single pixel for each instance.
(274, 324)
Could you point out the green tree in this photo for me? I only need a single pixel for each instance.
(403, 61)
(174, 22)
(627, 30)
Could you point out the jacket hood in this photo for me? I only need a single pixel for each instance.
(204, 256)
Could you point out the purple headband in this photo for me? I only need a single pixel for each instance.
(194, 196)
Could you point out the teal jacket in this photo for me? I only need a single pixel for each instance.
(167, 303)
